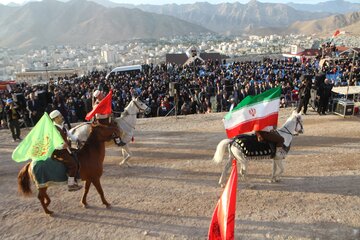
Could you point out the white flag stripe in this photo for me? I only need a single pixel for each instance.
(258, 110)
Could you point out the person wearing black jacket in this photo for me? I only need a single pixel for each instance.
(304, 93)
(34, 108)
(12, 117)
(324, 92)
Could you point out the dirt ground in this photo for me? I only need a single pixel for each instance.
(171, 189)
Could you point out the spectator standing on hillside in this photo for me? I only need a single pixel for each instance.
(304, 93)
(34, 108)
(60, 105)
(12, 117)
(325, 93)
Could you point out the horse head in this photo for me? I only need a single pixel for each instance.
(295, 123)
(104, 132)
(141, 106)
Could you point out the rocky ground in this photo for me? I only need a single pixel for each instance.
(170, 190)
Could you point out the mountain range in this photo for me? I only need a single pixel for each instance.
(52, 22)
(336, 6)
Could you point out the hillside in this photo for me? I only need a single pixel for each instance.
(348, 22)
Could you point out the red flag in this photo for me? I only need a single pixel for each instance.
(222, 224)
(104, 107)
(337, 32)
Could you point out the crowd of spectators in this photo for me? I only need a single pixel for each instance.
(211, 87)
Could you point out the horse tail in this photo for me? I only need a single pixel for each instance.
(220, 150)
(24, 181)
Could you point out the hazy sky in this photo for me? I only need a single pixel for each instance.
(190, 1)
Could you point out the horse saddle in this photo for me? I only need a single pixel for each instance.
(251, 147)
(48, 171)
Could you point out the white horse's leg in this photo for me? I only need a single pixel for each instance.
(243, 163)
(226, 167)
(224, 173)
(274, 169)
(126, 155)
(279, 163)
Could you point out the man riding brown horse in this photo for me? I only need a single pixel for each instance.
(64, 153)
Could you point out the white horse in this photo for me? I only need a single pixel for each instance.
(126, 122)
(293, 126)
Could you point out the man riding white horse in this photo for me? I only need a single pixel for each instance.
(104, 118)
(259, 114)
(269, 135)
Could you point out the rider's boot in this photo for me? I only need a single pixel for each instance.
(280, 153)
(72, 185)
(119, 142)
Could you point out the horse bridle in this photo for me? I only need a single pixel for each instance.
(140, 109)
(127, 113)
(287, 130)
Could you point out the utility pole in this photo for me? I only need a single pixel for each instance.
(46, 69)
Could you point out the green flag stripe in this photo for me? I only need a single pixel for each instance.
(266, 96)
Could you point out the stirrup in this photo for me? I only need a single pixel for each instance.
(74, 187)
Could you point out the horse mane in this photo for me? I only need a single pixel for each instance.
(91, 139)
(127, 107)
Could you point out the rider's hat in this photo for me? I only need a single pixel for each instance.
(96, 93)
(54, 114)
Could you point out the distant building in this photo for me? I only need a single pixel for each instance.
(191, 55)
(43, 76)
(299, 53)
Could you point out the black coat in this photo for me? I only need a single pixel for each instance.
(304, 90)
(9, 114)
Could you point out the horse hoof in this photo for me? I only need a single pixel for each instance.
(49, 213)
(85, 205)
(272, 180)
(108, 206)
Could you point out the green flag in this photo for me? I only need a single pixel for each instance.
(40, 143)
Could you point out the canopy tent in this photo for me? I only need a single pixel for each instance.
(5, 85)
(347, 90)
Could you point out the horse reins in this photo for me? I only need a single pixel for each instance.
(140, 109)
(136, 105)
(287, 130)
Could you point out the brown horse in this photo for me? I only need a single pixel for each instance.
(91, 158)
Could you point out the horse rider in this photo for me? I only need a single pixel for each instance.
(105, 118)
(268, 134)
(64, 153)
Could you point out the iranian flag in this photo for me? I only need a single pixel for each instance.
(253, 113)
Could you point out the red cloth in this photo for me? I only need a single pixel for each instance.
(222, 224)
(104, 107)
(337, 32)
